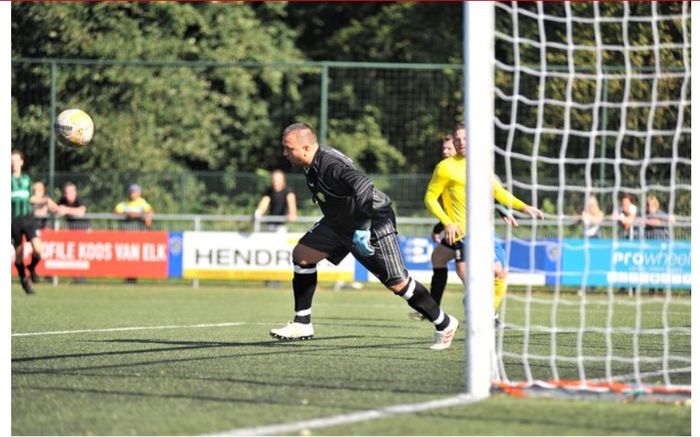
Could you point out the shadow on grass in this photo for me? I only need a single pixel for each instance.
(180, 346)
(375, 384)
(273, 347)
(180, 396)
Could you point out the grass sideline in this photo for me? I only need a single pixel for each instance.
(198, 380)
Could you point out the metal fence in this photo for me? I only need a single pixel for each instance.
(224, 193)
(568, 227)
(409, 105)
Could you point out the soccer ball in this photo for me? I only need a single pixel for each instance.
(74, 127)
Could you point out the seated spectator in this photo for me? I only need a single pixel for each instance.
(42, 205)
(136, 210)
(591, 217)
(72, 208)
(626, 216)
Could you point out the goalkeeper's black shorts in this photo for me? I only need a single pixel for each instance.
(386, 263)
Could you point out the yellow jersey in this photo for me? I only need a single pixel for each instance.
(504, 197)
(449, 183)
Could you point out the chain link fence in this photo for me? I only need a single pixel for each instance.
(229, 115)
(388, 117)
(407, 226)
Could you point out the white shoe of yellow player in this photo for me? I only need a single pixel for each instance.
(293, 331)
(443, 339)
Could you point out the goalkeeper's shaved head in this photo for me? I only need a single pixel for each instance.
(304, 131)
(299, 144)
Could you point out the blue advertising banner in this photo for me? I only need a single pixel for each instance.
(538, 257)
(530, 262)
(175, 254)
(416, 253)
(626, 263)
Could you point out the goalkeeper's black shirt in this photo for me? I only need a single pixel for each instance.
(346, 196)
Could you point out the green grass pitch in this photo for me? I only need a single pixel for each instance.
(196, 380)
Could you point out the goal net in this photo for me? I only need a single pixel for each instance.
(592, 114)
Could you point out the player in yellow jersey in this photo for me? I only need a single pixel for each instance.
(448, 184)
(447, 150)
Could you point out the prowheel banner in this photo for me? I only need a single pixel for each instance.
(627, 263)
(101, 254)
(261, 256)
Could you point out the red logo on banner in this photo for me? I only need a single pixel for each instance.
(101, 254)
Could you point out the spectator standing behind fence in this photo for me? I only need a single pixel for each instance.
(591, 217)
(138, 214)
(137, 211)
(72, 207)
(280, 200)
(42, 205)
(656, 222)
(626, 216)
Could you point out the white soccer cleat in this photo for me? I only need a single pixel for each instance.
(293, 331)
(443, 339)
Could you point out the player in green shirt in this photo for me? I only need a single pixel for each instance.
(23, 222)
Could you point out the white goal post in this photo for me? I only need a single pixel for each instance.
(478, 113)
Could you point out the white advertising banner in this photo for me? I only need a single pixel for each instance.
(260, 256)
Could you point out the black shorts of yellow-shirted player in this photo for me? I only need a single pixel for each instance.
(358, 219)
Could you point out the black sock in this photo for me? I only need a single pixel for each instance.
(420, 300)
(438, 283)
(35, 260)
(304, 284)
(20, 269)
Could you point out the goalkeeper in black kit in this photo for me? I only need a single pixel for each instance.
(357, 219)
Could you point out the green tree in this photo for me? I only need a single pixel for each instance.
(413, 108)
(154, 118)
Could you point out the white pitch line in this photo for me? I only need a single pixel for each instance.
(128, 328)
(358, 416)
